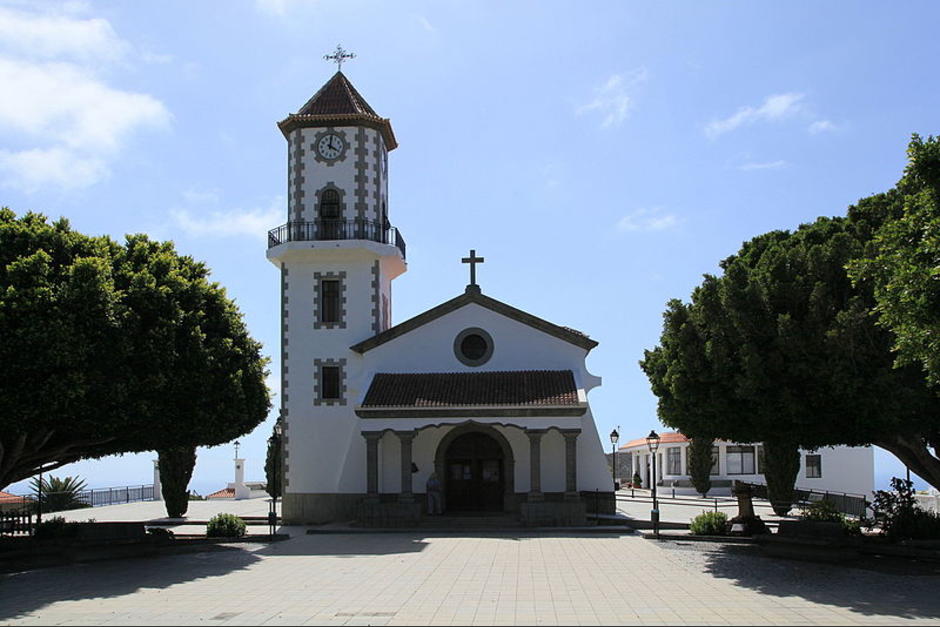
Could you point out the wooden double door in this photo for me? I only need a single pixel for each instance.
(474, 474)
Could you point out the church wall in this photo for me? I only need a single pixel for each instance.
(516, 347)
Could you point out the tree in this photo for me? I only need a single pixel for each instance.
(700, 464)
(111, 348)
(176, 469)
(59, 494)
(904, 259)
(273, 469)
(784, 349)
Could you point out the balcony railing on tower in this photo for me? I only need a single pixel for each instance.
(319, 230)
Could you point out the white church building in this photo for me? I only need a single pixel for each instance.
(491, 399)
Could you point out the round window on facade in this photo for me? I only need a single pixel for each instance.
(473, 347)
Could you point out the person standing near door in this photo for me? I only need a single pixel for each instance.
(433, 488)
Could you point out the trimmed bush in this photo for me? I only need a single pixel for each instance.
(821, 511)
(225, 526)
(56, 527)
(709, 524)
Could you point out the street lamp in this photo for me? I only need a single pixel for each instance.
(652, 441)
(614, 438)
(272, 514)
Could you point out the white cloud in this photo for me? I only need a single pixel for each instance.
(209, 221)
(612, 99)
(49, 35)
(31, 169)
(774, 107)
(647, 220)
(425, 24)
(69, 123)
(277, 7)
(765, 165)
(821, 126)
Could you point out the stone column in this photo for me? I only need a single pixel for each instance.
(535, 464)
(157, 488)
(405, 438)
(571, 464)
(372, 465)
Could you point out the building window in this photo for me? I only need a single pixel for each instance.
(329, 383)
(813, 466)
(329, 204)
(473, 347)
(674, 461)
(714, 470)
(740, 460)
(329, 301)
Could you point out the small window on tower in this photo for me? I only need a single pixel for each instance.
(329, 382)
(329, 204)
(329, 301)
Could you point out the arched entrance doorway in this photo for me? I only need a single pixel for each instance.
(474, 474)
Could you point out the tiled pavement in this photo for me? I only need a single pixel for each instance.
(389, 579)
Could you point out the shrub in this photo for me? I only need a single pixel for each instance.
(709, 524)
(56, 527)
(821, 511)
(160, 532)
(225, 526)
(899, 515)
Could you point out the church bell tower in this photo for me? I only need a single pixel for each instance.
(337, 254)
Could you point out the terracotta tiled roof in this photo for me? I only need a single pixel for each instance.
(338, 103)
(337, 97)
(225, 493)
(552, 388)
(670, 437)
(6, 498)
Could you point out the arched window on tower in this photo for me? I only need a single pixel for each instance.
(330, 214)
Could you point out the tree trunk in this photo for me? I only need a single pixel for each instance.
(273, 468)
(781, 465)
(700, 464)
(176, 469)
(915, 454)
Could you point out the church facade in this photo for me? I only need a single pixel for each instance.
(488, 398)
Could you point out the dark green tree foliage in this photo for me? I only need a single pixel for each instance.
(700, 464)
(176, 469)
(903, 260)
(110, 349)
(783, 349)
(273, 469)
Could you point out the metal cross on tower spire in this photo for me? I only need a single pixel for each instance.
(339, 56)
(473, 260)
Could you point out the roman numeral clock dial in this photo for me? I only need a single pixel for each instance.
(330, 146)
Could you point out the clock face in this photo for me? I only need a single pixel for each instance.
(330, 146)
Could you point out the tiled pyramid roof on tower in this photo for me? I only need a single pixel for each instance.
(337, 97)
(338, 103)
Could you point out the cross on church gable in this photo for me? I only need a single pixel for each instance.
(473, 260)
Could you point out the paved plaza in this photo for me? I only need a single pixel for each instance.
(501, 579)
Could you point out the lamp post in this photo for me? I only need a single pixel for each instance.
(614, 438)
(652, 441)
(272, 514)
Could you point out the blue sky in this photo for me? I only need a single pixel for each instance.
(600, 159)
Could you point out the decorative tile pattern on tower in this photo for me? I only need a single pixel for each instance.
(376, 289)
(297, 176)
(362, 175)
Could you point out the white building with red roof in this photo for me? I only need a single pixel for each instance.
(847, 469)
(488, 398)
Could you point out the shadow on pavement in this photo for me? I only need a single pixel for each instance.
(25, 592)
(893, 588)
